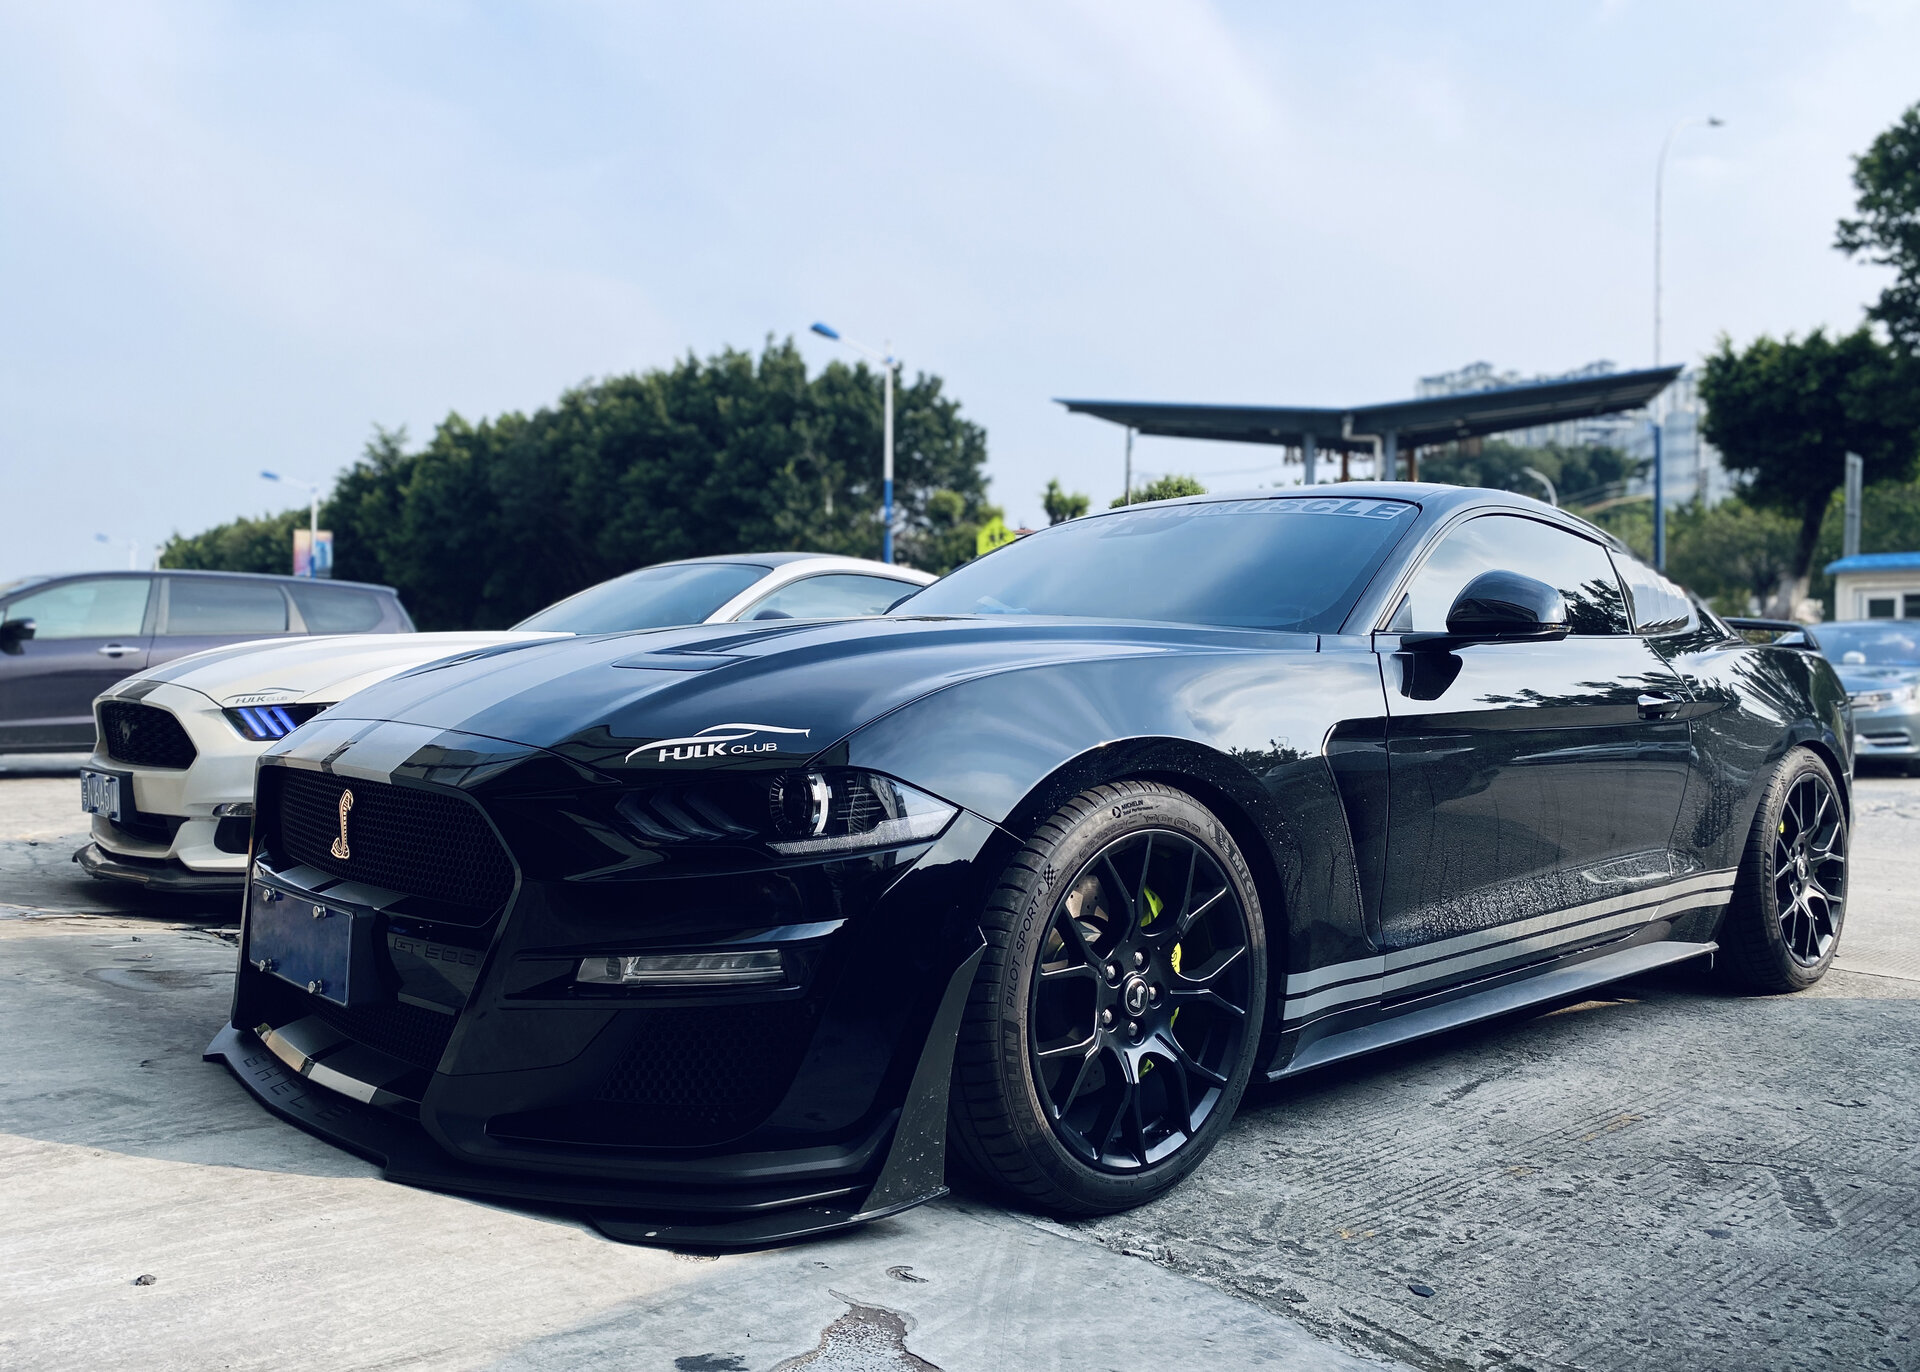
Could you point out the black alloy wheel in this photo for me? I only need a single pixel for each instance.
(1783, 928)
(1117, 1014)
(1141, 1004)
(1809, 869)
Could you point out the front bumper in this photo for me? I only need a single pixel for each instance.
(472, 1069)
(1890, 733)
(745, 1214)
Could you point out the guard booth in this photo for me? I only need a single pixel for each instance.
(1876, 586)
(1387, 439)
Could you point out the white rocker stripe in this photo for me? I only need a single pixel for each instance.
(1362, 979)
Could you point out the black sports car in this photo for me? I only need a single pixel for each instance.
(721, 934)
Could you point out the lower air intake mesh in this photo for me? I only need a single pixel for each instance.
(407, 1032)
(708, 1073)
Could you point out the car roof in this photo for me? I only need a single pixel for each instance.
(1434, 498)
(191, 572)
(772, 560)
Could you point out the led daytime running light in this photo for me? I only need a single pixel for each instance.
(887, 833)
(756, 967)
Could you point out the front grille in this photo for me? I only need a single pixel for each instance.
(708, 1073)
(410, 1033)
(144, 735)
(425, 843)
(1889, 740)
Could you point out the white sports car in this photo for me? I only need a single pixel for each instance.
(170, 782)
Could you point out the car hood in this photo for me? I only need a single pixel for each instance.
(731, 696)
(1857, 678)
(320, 669)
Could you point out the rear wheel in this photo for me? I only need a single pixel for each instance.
(1783, 927)
(1117, 1012)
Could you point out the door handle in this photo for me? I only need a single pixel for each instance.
(1658, 707)
(115, 650)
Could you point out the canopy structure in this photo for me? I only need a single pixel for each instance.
(1386, 428)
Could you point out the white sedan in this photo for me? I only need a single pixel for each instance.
(170, 782)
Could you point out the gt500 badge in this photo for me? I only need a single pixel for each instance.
(716, 740)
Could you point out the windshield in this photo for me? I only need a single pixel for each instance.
(651, 598)
(1871, 643)
(1277, 563)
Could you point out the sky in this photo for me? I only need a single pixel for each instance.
(236, 237)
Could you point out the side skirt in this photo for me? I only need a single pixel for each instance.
(1497, 1000)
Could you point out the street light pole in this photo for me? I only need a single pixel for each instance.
(1712, 121)
(1659, 459)
(888, 365)
(313, 510)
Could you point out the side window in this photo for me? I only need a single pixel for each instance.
(102, 607)
(335, 609)
(839, 595)
(215, 605)
(1658, 606)
(1577, 567)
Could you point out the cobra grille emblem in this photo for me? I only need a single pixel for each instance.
(340, 848)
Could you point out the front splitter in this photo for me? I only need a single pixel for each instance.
(170, 876)
(748, 1218)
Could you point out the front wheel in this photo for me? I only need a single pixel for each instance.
(1116, 1015)
(1783, 928)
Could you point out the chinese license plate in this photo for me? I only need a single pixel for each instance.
(100, 794)
(323, 947)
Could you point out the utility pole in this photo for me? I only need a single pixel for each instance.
(1659, 503)
(1850, 540)
(1127, 499)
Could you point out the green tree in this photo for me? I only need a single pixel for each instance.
(1161, 488)
(1785, 414)
(1887, 231)
(491, 520)
(1063, 505)
(1581, 473)
(262, 544)
(1732, 555)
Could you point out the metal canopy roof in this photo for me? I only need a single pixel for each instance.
(1416, 423)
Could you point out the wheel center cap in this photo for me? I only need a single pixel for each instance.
(1134, 996)
(1800, 866)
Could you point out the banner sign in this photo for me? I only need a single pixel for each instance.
(313, 552)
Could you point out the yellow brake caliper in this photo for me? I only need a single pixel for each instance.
(1155, 908)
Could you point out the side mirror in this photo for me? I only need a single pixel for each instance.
(13, 633)
(1500, 607)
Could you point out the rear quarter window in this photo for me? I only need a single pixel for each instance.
(215, 605)
(336, 609)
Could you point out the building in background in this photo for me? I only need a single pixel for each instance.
(1692, 465)
(1876, 586)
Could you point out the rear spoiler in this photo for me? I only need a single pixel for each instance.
(1787, 633)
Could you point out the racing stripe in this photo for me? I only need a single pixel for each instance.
(1369, 978)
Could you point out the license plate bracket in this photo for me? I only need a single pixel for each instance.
(327, 948)
(100, 794)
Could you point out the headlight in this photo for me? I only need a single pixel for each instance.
(829, 811)
(1891, 695)
(265, 723)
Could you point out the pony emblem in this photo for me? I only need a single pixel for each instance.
(340, 848)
